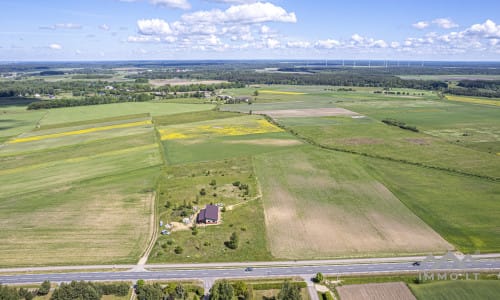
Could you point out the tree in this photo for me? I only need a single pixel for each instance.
(8, 293)
(149, 292)
(221, 290)
(289, 292)
(256, 93)
(180, 291)
(233, 241)
(241, 290)
(76, 290)
(319, 277)
(44, 288)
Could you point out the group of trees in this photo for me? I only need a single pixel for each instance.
(11, 293)
(225, 290)
(400, 124)
(92, 100)
(89, 290)
(170, 292)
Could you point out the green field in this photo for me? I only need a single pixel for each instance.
(15, 120)
(374, 138)
(222, 138)
(182, 185)
(88, 201)
(462, 209)
(457, 290)
(316, 201)
(81, 113)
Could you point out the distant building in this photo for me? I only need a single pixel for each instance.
(208, 215)
(109, 87)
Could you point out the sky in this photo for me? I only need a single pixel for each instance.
(36, 30)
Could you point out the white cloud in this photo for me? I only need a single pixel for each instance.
(233, 1)
(298, 44)
(55, 46)
(104, 27)
(62, 26)
(488, 29)
(272, 43)
(421, 25)
(395, 45)
(327, 44)
(246, 13)
(143, 39)
(182, 4)
(153, 27)
(445, 23)
(265, 29)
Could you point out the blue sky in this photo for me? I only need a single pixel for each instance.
(249, 29)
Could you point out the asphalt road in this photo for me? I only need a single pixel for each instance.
(492, 265)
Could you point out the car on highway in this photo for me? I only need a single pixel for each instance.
(417, 263)
(248, 269)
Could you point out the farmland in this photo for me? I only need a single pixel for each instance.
(324, 198)
(81, 192)
(456, 290)
(382, 291)
(222, 138)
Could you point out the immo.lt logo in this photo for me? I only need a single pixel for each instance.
(448, 267)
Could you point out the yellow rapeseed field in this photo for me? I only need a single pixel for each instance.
(280, 92)
(473, 100)
(77, 132)
(253, 126)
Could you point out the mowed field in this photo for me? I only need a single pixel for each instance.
(81, 192)
(322, 204)
(376, 291)
(457, 290)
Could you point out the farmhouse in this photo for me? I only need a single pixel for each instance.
(208, 215)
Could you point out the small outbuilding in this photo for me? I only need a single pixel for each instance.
(208, 215)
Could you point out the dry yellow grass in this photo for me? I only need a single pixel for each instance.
(473, 100)
(280, 92)
(78, 132)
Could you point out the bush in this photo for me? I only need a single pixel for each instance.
(44, 288)
(233, 241)
(178, 250)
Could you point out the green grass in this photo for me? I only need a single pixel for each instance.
(208, 244)
(83, 113)
(464, 210)
(374, 138)
(86, 203)
(183, 183)
(96, 221)
(18, 120)
(456, 290)
(216, 148)
(72, 139)
(191, 117)
(95, 121)
(461, 123)
(316, 201)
